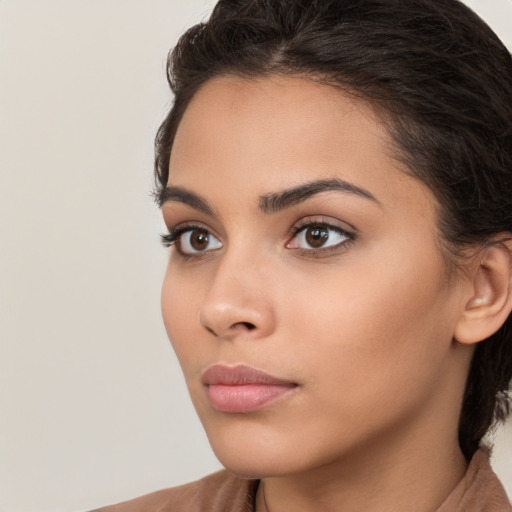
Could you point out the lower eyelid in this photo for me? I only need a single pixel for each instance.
(326, 252)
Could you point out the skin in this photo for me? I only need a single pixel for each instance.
(364, 327)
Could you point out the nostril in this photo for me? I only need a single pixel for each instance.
(238, 325)
(246, 325)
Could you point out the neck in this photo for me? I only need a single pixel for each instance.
(400, 474)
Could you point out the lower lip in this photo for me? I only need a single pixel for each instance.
(245, 398)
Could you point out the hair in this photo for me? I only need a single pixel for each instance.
(443, 82)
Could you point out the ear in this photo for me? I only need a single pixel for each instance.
(490, 301)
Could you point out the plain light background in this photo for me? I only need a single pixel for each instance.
(93, 408)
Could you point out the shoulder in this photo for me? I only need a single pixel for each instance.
(218, 492)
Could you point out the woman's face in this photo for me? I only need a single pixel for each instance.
(302, 251)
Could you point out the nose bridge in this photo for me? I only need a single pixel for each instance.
(238, 299)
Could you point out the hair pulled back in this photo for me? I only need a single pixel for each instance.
(443, 82)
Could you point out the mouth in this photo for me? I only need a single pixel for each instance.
(243, 389)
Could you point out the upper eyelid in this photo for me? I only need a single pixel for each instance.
(182, 227)
(299, 229)
(309, 220)
(325, 221)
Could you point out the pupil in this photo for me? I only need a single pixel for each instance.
(316, 237)
(199, 240)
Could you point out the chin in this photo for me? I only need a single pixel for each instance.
(252, 453)
(254, 466)
(255, 453)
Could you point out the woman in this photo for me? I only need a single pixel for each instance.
(336, 178)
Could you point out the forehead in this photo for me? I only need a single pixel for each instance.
(265, 134)
(280, 110)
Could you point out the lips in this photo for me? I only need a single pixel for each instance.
(242, 389)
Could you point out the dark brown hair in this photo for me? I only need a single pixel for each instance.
(443, 81)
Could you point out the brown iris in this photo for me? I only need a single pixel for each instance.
(316, 236)
(199, 240)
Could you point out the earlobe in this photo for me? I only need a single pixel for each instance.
(490, 302)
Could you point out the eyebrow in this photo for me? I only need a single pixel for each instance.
(269, 203)
(182, 195)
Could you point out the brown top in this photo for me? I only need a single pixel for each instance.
(479, 491)
(219, 492)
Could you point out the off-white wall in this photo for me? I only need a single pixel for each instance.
(93, 408)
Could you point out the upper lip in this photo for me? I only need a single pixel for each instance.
(240, 374)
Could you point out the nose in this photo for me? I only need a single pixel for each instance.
(238, 301)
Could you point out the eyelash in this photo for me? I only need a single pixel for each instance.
(173, 237)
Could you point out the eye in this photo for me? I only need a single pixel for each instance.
(195, 241)
(318, 236)
(191, 241)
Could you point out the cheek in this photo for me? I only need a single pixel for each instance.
(179, 303)
(373, 335)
